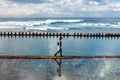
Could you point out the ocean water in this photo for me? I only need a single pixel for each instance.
(65, 69)
(61, 25)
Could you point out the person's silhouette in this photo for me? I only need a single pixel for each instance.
(59, 64)
(59, 47)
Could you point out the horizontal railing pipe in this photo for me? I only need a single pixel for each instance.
(55, 57)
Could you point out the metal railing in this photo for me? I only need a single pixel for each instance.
(54, 57)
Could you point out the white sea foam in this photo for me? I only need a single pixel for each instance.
(32, 23)
(10, 27)
(71, 20)
(100, 25)
(46, 25)
(45, 28)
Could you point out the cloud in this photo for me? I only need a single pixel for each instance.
(8, 8)
(93, 3)
(30, 1)
(48, 8)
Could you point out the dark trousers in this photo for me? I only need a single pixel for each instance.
(60, 51)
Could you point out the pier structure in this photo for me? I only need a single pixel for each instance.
(49, 34)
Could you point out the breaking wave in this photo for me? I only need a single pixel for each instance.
(57, 24)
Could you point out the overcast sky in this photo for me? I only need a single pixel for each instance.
(59, 8)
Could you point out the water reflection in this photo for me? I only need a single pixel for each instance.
(65, 69)
(59, 64)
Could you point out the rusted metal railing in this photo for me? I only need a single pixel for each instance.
(55, 57)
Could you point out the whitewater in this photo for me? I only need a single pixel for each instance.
(62, 25)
